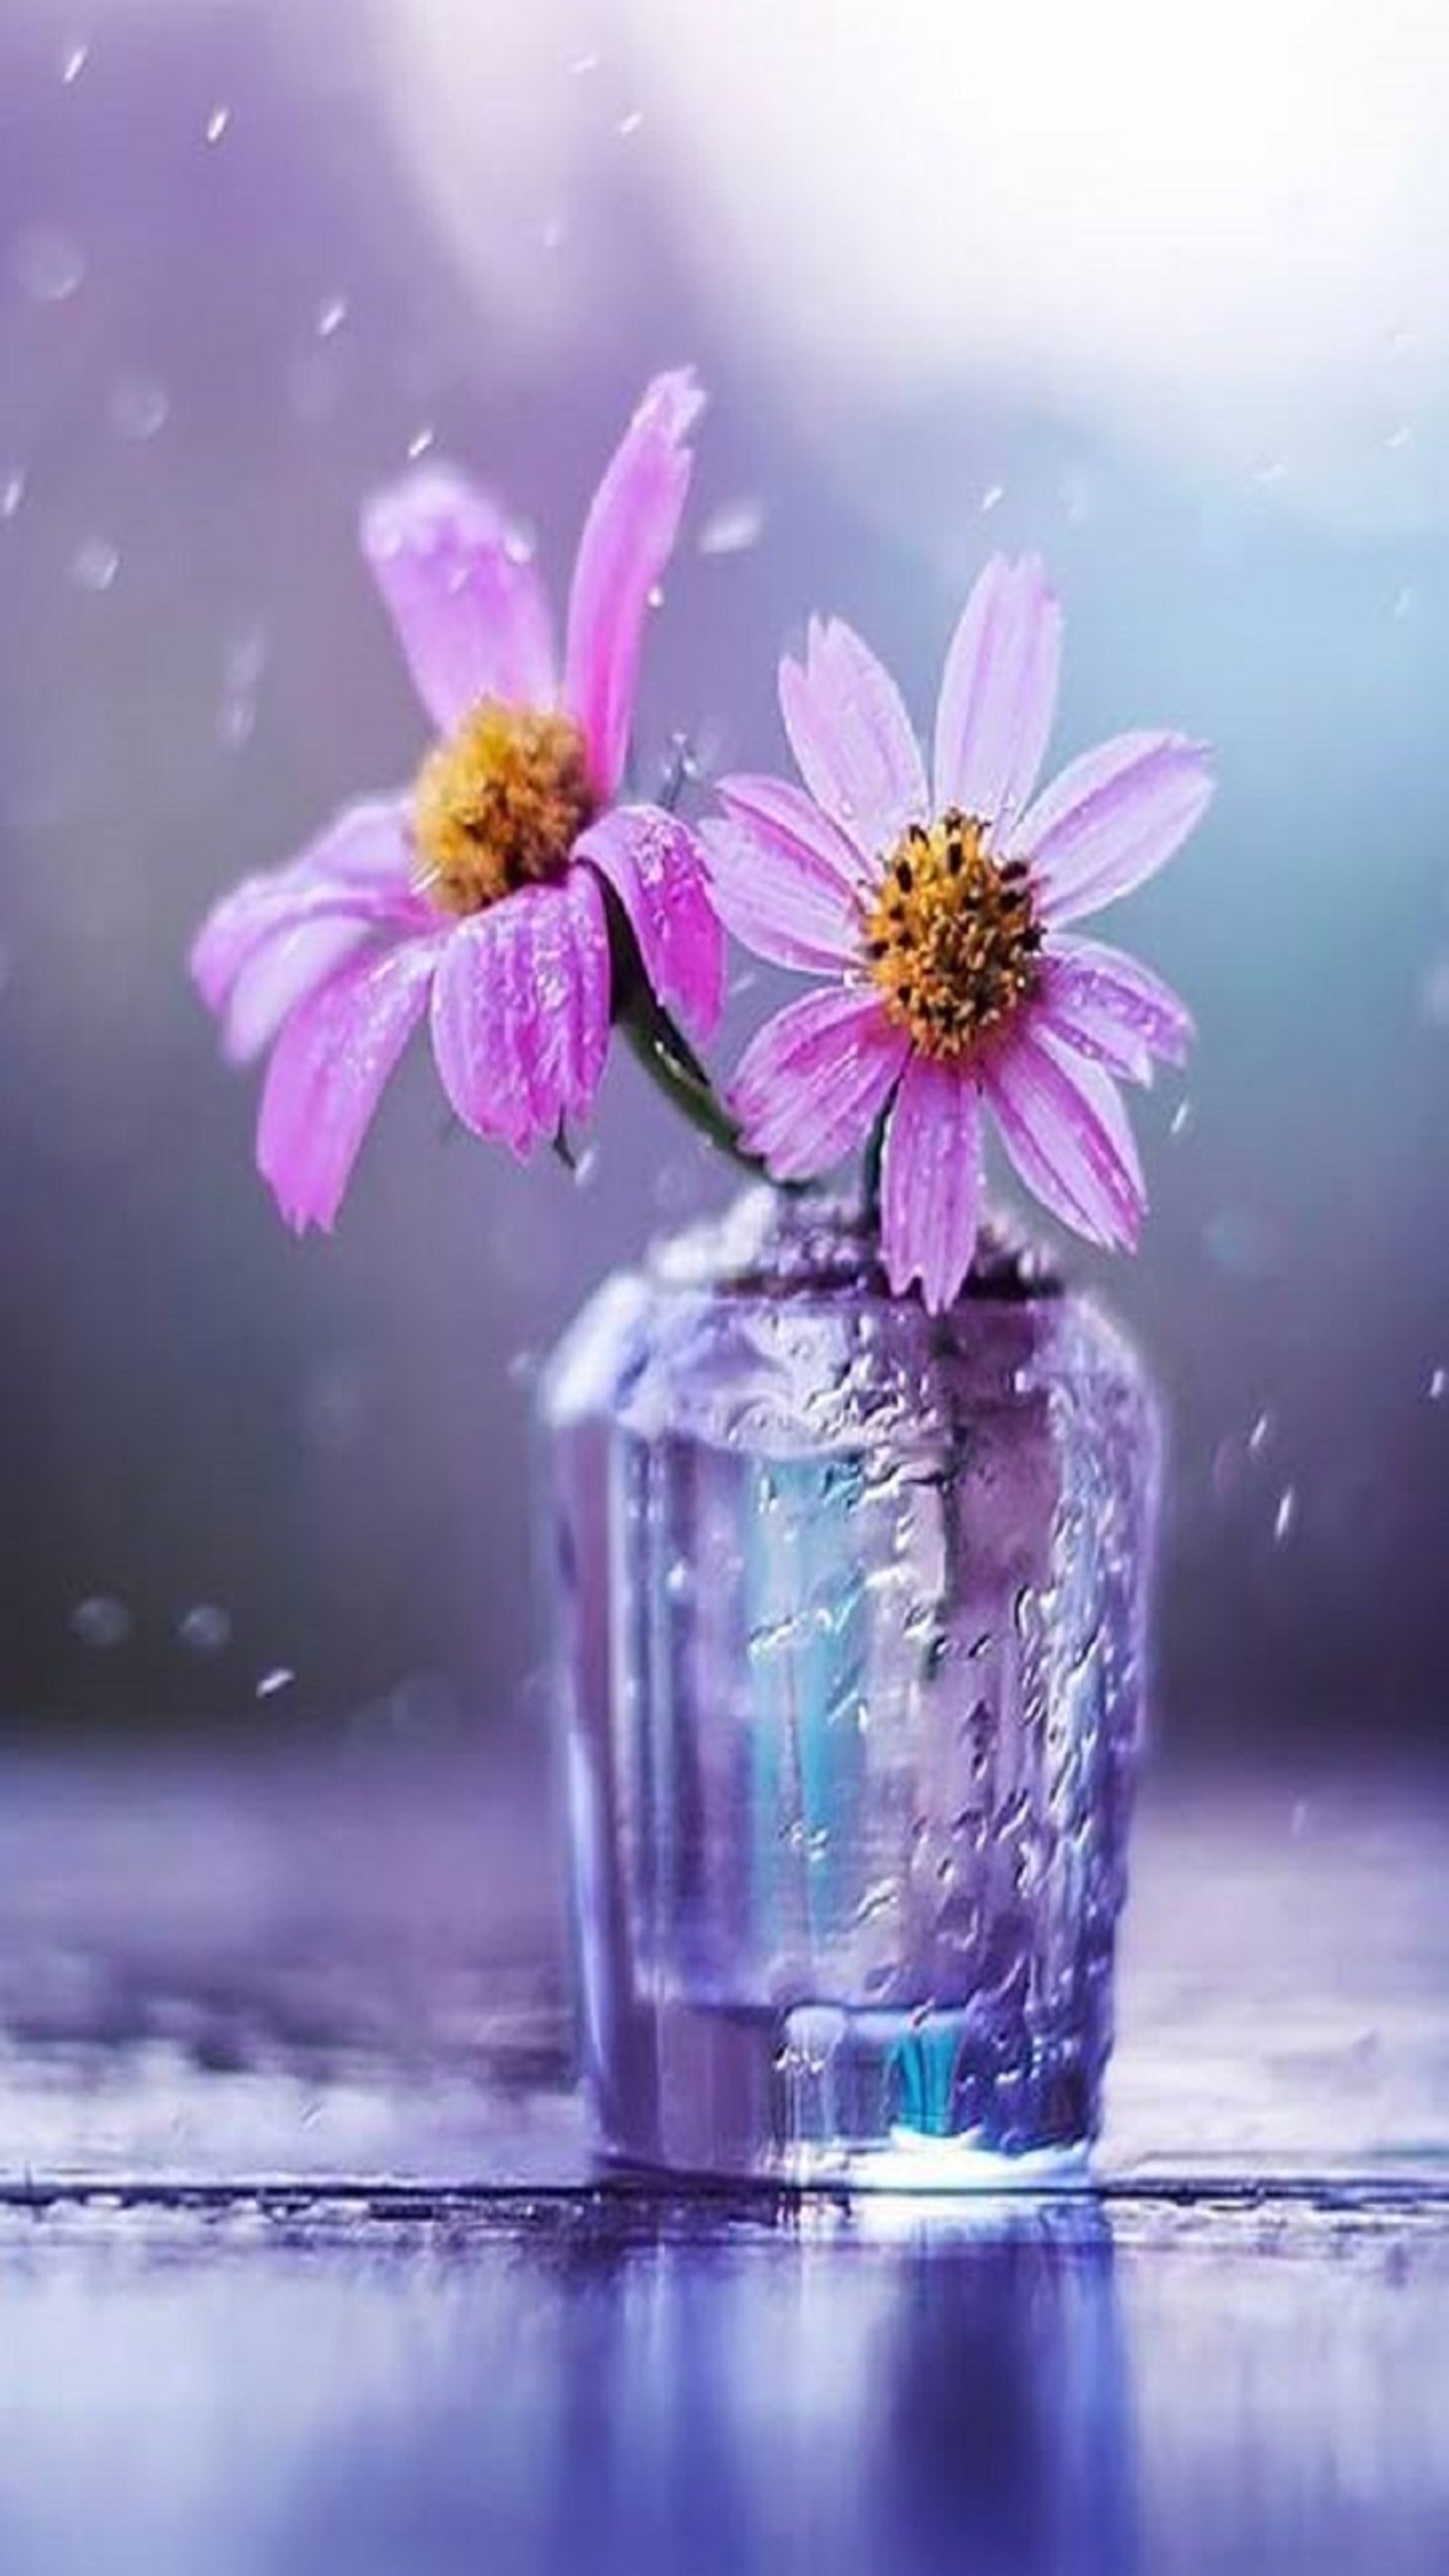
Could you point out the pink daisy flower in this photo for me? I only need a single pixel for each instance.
(940, 912)
(507, 895)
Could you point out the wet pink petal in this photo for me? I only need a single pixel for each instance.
(1089, 1032)
(1065, 1130)
(778, 899)
(521, 1011)
(1104, 985)
(1112, 819)
(998, 692)
(852, 738)
(467, 602)
(793, 823)
(627, 541)
(327, 1072)
(931, 1182)
(280, 933)
(657, 869)
(814, 1078)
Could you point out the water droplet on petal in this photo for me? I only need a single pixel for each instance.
(732, 529)
(102, 1622)
(279, 1678)
(95, 564)
(48, 265)
(138, 407)
(217, 123)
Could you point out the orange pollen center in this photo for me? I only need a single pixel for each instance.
(952, 939)
(500, 805)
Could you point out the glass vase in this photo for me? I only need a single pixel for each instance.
(850, 1618)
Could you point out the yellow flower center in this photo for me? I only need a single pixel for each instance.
(500, 805)
(952, 939)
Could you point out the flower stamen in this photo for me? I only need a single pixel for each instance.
(952, 939)
(500, 805)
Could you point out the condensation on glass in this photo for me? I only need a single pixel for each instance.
(850, 1615)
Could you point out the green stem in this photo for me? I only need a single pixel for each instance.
(672, 1065)
(870, 1172)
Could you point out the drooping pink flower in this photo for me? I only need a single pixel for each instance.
(941, 913)
(478, 897)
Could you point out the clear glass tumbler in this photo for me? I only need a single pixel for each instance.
(850, 1618)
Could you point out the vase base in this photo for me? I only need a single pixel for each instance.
(907, 2163)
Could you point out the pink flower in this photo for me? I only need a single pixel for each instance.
(941, 918)
(479, 897)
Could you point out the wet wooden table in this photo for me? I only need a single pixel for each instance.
(303, 2265)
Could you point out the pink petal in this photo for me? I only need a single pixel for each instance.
(627, 541)
(521, 1011)
(780, 814)
(931, 1182)
(1065, 1130)
(852, 737)
(998, 692)
(811, 1082)
(1090, 1033)
(327, 1073)
(1103, 989)
(1112, 819)
(778, 898)
(278, 934)
(657, 869)
(468, 605)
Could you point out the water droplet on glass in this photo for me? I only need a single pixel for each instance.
(12, 491)
(73, 61)
(631, 123)
(205, 1629)
(992, 497)
(331, 316)
(217, 123)
(280, 1678)
(1285, 1515)
(1438, 1385)
(138, 407)
(95, 564)
(732, 529)
(48, 266)
(101, 1621)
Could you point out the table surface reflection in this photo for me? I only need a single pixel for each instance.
(303, 2263)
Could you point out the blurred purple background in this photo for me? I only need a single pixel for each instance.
(950, 290)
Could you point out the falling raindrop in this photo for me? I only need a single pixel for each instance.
(1274, 471)
(331, 316)
(138, 407)
(656, 595)
(992, 497)
(205, 1629)
(279, 1678)
(1181, 1119)
(48, 265)
(419, 443)
(95, 564)
(1438, 1385)
(1401, 436)
(1285, 1516)
(73, 61)
(101, 1621)
(1403, 602)
(732, 529)
(584, 63)
(12, 491)
(1257, 1437)
(217, 123)
(555, 233)
(631, 123)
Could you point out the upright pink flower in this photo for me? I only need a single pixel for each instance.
(479, 896)
(940, 916)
